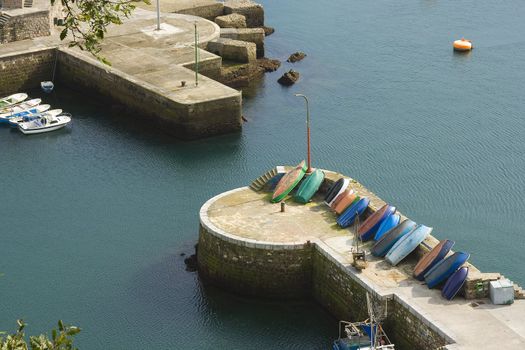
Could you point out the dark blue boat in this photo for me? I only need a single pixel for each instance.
(333, 190)
(391, 237)
(348, 217)
(442, 270)
(430, 259)
(454, 283)
(388, 223)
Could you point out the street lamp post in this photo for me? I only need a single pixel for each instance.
(309, 170)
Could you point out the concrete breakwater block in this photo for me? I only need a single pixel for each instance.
(253, 12)
(233, 50)
(252, 35)
(233, 20)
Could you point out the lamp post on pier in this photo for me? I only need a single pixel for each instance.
(309, 170)
(158, 14)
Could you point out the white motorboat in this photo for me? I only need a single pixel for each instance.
(4, 118)
(14, 122)
(44, 124)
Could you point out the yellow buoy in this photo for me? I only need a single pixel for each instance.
(462, 45)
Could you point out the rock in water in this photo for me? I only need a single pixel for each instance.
(268, 65)
(191, 263)
(268, 30)
(289, 78)
(296, 56)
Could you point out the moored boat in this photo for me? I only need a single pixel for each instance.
(288, 182)
(430, 259)
(22, 106)
(344, 187)
(344, 200)
(14, 122)
(4, 118)
(12, 100)
(47, 86)
(44, 124)
(454, 283)
(389, 223)
(372, 223)
(462, 45)
(309, 186)
(443, 269)
(333, 190)
(390, 238)
(406, 244)
(352, 212)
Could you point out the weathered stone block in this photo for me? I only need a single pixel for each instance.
(253, 12)
(253, 35)
(234, 50)
(233, 20)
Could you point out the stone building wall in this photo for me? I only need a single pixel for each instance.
(26, 26)
(185, 121)
(25, 71)
(11, 4)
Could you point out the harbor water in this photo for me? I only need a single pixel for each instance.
(97, 216)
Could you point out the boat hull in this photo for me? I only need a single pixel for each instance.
(346, 183)
(333, 190)
(352, 212)
(309, 186)
(288, 182)
(344, 200)
(372, 223)
(442, 270)
(390, 238)
(454, 283)
(406, 244)
(430, 259)
(389, 223)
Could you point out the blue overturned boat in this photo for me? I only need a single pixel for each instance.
(406, 244)
(442, 270)
(348, 217)
(454, 283)
(372, 223)
(388, 223)
(430, 259)
(391, 237)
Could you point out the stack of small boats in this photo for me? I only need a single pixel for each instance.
(394, 238)
(29, 116)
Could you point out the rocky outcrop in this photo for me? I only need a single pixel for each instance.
(268, 30)
(296, 56)
(268, 65)
(289, 78)
(233, 20)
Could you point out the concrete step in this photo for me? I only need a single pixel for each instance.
(4, 17)
(519, 293)
(259, 182)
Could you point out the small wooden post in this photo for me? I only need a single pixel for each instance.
(283, 207)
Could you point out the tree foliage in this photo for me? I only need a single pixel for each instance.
(86, 21)
(61, 339)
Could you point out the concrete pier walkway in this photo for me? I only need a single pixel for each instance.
(246, 218)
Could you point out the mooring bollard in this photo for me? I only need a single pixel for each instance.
(283, 207)
(183, 83)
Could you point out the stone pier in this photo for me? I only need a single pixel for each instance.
(246, 245)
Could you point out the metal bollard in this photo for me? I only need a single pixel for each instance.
(283, 207)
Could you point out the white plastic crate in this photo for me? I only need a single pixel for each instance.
(501, 292)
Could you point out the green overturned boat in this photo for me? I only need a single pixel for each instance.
(309, 186)
(288, 182)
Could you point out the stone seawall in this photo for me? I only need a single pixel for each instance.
(25, 26)
(24, 71)
(185, 120)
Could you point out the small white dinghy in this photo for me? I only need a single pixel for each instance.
(44, 124)
(12, 100)
(14, 122)
(47, 86)
(22, 106)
